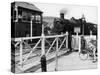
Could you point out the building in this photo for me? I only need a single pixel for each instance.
(26, 20)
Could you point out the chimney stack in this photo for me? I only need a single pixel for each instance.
(62, 15)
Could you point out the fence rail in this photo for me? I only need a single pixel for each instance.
(41, 40)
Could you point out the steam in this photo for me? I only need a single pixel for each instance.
(64, 11)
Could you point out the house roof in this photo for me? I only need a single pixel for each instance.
(27, 6)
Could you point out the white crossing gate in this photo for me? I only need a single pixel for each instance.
(59, 41)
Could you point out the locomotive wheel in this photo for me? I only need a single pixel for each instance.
(83, 55)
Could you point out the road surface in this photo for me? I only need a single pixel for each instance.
(67, 62)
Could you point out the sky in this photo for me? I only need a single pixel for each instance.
(90, 12)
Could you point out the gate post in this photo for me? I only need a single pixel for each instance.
(94, 54)
(70, 41)
(79, 43)
(66, 40)
(43, 56)
(21, 53)
(56, 65)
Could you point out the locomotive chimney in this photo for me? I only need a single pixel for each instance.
(62, 15)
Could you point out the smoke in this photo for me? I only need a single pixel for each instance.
(64, 11)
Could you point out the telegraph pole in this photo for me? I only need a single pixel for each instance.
(31, 27)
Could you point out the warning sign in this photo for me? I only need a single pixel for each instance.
(77, 29)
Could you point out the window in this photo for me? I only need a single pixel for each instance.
(26, 16)
(38, 19)
(19, 15)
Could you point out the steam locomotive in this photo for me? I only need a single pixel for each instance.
(62, 25)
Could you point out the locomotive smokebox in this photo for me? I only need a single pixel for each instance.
(62, 15)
